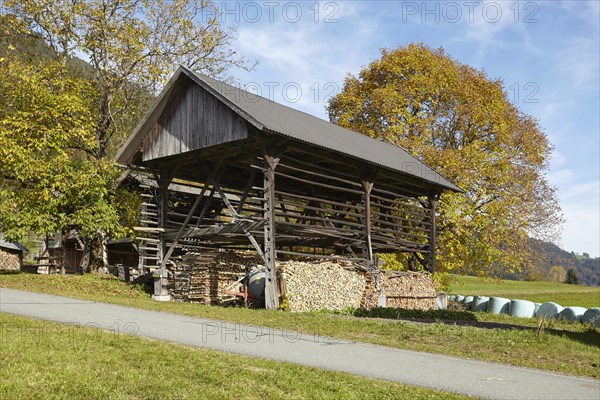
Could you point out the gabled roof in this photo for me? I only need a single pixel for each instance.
(12, 246)
(269, 116)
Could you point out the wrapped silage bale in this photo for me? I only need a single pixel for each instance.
(451, 297)
(480, 303)
(572, 314)
(521, 308)
(592, 316)
(468, 301)
(459, 298)
(537, 309)
(549, 310)
(498, 305)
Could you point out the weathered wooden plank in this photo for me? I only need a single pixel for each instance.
(193, 120)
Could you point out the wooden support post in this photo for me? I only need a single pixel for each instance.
(367, 221)
(271, 295)
(164, 179)
(161, 292)
(432, 200)
(367, 178)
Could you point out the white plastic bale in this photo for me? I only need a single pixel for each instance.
(549, 310)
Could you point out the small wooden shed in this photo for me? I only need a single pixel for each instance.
(276, 180)
(11, 255)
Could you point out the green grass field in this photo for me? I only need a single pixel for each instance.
(42, 360)
(572, 349)
(561, 293)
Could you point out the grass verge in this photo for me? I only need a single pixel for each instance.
(572, 349)
(561, 293)
(49, 360)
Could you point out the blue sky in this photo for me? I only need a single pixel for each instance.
(546, 52)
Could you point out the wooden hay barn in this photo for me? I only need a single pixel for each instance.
(271, 179)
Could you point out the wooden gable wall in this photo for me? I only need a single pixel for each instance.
(193, 119)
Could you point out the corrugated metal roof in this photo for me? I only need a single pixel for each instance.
(12, 246)
(274, 117)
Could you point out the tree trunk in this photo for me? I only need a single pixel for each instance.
(98, 262)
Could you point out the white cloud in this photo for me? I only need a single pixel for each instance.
(561, 176)
(581, 61)
(589, 10)
(312, 56)
(557, 159)
(494, 24)
(550, 110)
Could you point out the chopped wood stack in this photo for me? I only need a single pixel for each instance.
(306, 286)
(9, 260)
(410, 290)
(322, 285)
(203, 278)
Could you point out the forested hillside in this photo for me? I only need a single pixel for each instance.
(551, 263)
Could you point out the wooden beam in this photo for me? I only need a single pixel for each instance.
(433, 203)
(236, 215)
(246, 191)
(199, 198)
(367, 178)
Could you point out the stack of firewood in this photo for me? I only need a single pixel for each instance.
(303, 286)
(410, 290)
(322, 285)
(203, 278)
(9, 261)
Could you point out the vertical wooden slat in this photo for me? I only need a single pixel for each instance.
(366, 199)
(367, 179)
(193, 119)
(432, 203)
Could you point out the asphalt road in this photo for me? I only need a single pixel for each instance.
(476, 378)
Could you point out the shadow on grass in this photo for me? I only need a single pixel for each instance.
(10, 272)
(589, 337)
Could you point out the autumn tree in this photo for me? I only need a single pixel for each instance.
(558, 274)
(56, 147)
(133, 47)
(463, 124)
(46, 183)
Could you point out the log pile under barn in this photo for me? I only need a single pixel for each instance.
(304, 286)
(402, 289)
(320, 285)
(203, 278)
(9, 260)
